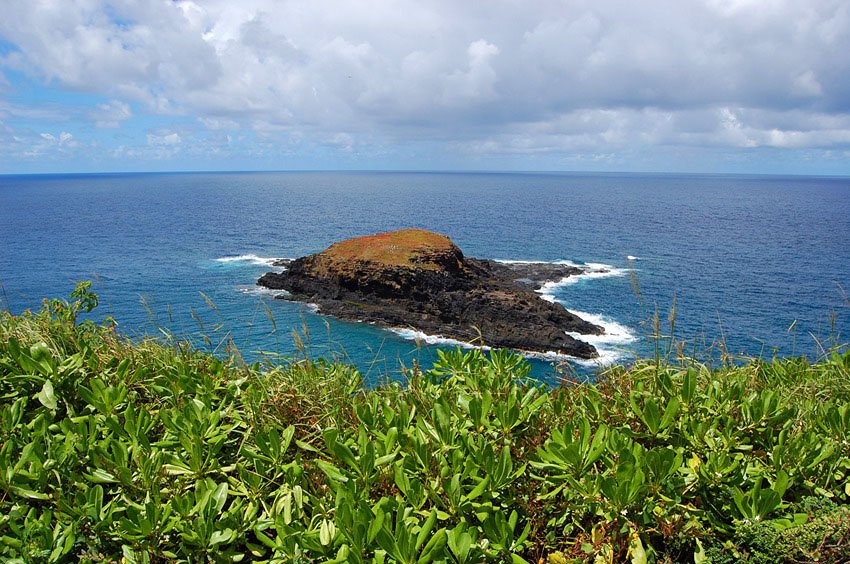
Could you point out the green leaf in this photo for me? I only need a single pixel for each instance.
(12, 542)
(29, 494)
(46, 396)
(699, 554)
(100, 476)
(332, 471)
(386, 459)
(636, 550)
(219, 497)
(134, 556)
(434, 546)
(426, 529)
(670, 412)
(306, 446)
(376, 524)
(326, 532)
(689, 384)
(782, 482)
(400, 478)
(459, 543)
(479, 489)
(651, 415)
(222, 537)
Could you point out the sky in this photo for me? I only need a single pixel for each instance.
(738, 86)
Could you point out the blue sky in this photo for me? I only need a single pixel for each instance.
(759, 86)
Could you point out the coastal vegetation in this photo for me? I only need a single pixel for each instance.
(153, 451)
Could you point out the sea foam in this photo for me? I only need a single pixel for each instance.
(608, 345)
(251, 259)
(606, 357)
(590, 271)
(261, 291)
(414, 335)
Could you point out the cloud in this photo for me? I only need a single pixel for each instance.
(478, 81)
(588, 131)
(111, 114)
(42, 112)
(64, 139)
(215, 124)
(45, 145)
(164, 139)
(144, 51)
(488, 76)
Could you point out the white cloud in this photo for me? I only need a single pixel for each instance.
(344, 141)
(216, 124)
(164, 139)
(64, 139)
(477, 81)
(586, 131)
(111, 114)
(46, 112)
(494, 76)
(44, 145)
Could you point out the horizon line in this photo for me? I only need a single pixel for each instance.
(419, 171)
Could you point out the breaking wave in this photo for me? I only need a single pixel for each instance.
(606, 356)
(261, 291)
(590, 271)
(610, 346)
(250, 259)
(414, 335)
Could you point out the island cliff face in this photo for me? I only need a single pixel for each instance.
(421, 280)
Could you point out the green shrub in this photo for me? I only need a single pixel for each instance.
(821, 533)
(150, 451)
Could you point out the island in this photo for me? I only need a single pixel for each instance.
(421, 280)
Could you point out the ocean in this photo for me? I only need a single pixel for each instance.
(751, 265)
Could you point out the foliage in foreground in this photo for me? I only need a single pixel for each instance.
(150, 452)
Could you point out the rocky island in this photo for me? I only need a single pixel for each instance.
(421, 280)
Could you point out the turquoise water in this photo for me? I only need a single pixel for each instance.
(745, 257)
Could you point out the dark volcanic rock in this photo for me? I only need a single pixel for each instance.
(418, 279)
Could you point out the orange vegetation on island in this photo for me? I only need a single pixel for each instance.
(412, 248)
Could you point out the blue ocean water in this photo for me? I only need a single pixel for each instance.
(759, 263)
